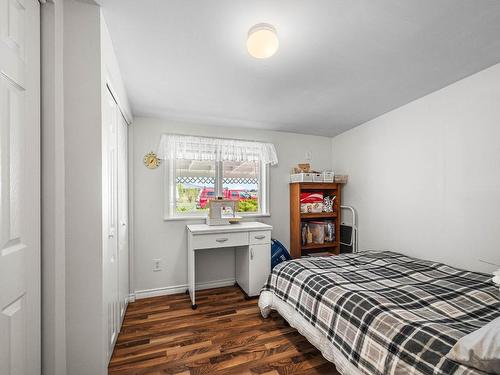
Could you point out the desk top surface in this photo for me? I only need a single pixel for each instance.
(245, 226)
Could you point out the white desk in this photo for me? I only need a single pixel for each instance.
(252, 241)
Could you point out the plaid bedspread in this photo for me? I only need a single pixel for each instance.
(388, 313)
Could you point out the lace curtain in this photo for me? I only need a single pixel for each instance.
(217, 149)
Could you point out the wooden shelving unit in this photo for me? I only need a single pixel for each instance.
(296, 218)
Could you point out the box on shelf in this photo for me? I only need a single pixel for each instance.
(306, 177)
(311, 202)
(341, 178)
(317, 177)
(317, 229)
(301, 177)
(328, 176)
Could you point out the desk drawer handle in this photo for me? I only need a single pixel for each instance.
(221, 239)
(261, 237)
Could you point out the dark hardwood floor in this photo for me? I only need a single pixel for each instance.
(225, 335)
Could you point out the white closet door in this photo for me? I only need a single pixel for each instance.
(19, 187)
(110, 225)
(123, 252)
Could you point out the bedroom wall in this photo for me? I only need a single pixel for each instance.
(53, 187)
(85, 352)
(154, 238)
(87, 57)
(425, 178)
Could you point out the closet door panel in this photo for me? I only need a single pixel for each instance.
(123, 250)
(110, 219)
(19, 187)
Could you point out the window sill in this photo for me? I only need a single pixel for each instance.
(203, 217)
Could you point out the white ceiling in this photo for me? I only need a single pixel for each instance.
(340, 62)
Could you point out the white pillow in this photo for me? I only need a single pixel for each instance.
(496, 277)
(480, 349)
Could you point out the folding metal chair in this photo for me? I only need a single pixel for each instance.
(349, 232)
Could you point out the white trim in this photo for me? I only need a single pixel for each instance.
(156, 292)
(218, 189)
(131, 209)
(109, 86)
(203, 217)
(53, 250)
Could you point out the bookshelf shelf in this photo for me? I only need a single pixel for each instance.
(320, 215)
(314, 246)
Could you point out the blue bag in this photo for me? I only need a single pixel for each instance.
(279, 253)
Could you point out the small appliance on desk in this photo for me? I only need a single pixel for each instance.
(222, 212)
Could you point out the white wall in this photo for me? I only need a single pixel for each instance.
(82, 122)
(425, 178)
(155, 238)
(82, 99)
(53, 186)
(88, 61)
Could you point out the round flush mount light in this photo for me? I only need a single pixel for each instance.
(262, 41)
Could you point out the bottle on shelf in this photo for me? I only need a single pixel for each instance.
(329, 231)
(309, 235)
(304, 233)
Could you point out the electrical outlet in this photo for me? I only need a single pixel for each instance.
(156, 265)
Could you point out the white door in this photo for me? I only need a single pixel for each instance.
(123, 254)
(110, 230)
(19, 187)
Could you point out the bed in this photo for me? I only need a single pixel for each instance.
(380, 312)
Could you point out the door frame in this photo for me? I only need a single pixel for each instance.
(53, 247)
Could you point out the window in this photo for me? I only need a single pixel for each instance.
(200, 169)
(241, 182)
(192, 183)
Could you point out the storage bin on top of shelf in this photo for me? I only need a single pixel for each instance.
(325, 176)
(306, 177)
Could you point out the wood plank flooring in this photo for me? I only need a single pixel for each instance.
(225, 335)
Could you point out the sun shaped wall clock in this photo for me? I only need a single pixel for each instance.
(151, 160)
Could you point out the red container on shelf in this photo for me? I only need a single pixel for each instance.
(311, 202)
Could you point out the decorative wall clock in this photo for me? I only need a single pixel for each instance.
(151, 160)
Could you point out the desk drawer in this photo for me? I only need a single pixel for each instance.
(260, 237)
(210, 241)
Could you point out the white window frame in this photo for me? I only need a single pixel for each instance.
(169, 209)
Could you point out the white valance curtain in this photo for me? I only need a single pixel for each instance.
(173, 146)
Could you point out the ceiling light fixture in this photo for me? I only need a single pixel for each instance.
(262, 41)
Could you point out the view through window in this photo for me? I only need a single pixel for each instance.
(195, 185)
(197, 182)
(241, 182)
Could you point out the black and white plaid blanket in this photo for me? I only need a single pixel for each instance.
(388, 313)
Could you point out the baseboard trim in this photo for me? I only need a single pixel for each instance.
(146, 293)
